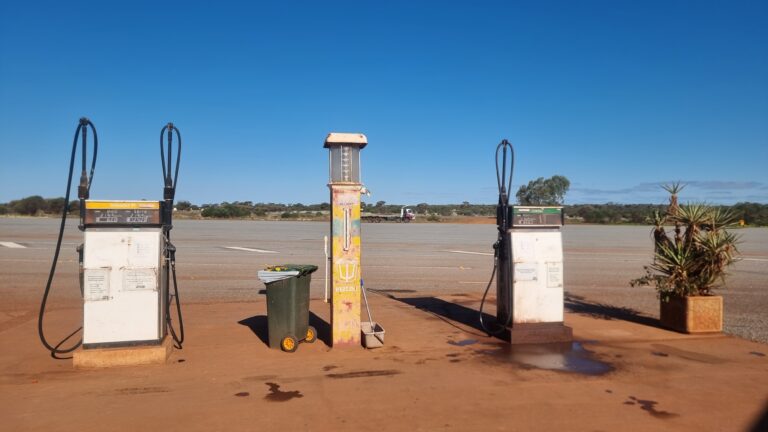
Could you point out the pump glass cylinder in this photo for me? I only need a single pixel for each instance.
(345, 163)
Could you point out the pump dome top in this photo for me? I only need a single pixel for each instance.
(345, 138)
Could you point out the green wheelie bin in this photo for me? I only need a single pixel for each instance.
(288, 305)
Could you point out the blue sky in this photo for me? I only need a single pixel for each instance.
(616, 96)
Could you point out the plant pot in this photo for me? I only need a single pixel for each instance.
(696, 314)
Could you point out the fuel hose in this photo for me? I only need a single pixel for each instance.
(502, 215)
(83, 194)
(169, 194)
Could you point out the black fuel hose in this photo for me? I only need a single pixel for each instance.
(83, 194)
(170, 250)
(505, 185)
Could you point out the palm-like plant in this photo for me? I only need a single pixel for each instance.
(673, 207)
(695, 260)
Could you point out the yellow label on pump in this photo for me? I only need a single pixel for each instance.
(122, 205)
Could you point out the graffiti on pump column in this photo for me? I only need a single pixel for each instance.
(347, 269)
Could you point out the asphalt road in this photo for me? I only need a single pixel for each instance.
(401, 259)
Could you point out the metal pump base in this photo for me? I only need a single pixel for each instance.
(536, 333)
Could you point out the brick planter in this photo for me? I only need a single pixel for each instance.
(698, 314)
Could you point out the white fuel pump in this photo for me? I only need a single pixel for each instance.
(126, 261)
(528, 265)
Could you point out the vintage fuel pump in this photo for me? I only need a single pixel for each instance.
(528, 264)
(344, 183)
(127, 262)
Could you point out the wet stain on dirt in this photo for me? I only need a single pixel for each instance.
(608, 391)
(564, 357)
(242, 394)
(181, 360)
(649, 406)
(757, 353)
(329, 367)
(141, 390)
(364, 374)
(464, 342)
(455, 360)
(659, 354)
(688, 355)
(453, 355)
(276, 395)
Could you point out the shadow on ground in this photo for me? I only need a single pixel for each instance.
(259, 325)
(452, 313)
(582, 306)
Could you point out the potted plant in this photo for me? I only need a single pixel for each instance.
(690, 263)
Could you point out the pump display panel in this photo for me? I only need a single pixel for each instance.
(122, 213)
(537, 216)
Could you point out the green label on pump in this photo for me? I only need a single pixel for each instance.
(537, 216)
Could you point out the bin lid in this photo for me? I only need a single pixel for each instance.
(284, 271)
(267, 276)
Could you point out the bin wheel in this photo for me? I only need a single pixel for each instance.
(289, 344)
(311, 335)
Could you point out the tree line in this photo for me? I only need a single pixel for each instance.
(754, 214)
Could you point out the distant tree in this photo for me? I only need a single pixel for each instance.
(29, 205)
(543, 191)
(183, 205)
(422, 208)
(54, 205)
(380, 204)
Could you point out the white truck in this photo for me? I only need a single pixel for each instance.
(406, 215)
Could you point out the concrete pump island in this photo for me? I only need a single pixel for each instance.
(521, 325)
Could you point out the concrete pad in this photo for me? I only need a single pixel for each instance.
(94, 358)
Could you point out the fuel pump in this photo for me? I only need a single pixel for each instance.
(344, 183)
(126, 261)
(528, 266)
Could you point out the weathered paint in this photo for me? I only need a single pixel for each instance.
(345, 252)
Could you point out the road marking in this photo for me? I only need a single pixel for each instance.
(469, 252)
(472, 283)
(250, 249)
(755, 259)
(12, 245)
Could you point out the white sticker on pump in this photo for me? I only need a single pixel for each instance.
(554, 274)
(526, 272)
(139, 279)
(96, 284)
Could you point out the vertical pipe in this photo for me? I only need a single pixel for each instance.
(325, 248)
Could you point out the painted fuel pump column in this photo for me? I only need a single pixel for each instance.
(345, 187)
